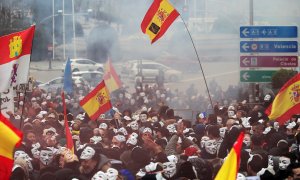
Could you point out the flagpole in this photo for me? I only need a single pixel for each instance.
(23, 107)
(198, 61)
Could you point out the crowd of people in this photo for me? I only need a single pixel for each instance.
(142, 137)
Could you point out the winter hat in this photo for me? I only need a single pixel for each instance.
(190, 151)
(139, 155)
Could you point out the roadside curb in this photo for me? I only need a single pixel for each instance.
(41, 69)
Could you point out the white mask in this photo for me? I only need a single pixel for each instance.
(143, 117)
(112, 174)
(276, 126)
(103, 126)
(35, 152)
(134, 125)
(240, 177)
(231, 113)
(203, 140)
(211, 146)
(247, 141)
(87, 153)
(270, 161)
(154, 119)
(267, 97)
(46, 157)
(123, 130)
(132, 101)
(169, 169)
(284, 162)
(132, 140)
(100, 176)
(222, 131)
(171, 128)
(219, 120)
(96, 139)
(26, 157)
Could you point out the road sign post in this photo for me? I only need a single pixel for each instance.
(268, 32)
(268, 46)
(256, 76)
(268, 61)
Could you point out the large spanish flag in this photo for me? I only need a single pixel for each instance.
(96, 102)
(15, 53)
(286, 102)
(10, 137)
(158, 19)
(70, 144)
(231, 165)
(110, 77)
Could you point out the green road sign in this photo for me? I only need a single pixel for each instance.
(256, 76)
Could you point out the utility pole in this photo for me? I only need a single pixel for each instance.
(64, 29)
(74, 32)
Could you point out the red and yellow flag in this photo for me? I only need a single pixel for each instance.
(96, 102)
(70, 144)
(286, 102)
(231, 165)
(10, 137)
(110, 77)
(158, 19)
(15, 54)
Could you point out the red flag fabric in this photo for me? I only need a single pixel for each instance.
(231, 165)
(111, 78)
(15, 54)
(158, 19)
(287, 101)
(10, 137)
(97, 101)
(70, 144)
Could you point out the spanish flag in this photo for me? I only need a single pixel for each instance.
(158, 19)
(231, 165)
(15, 54)
(10, 137)
(96, 102)
(286, 102)
(110, 77)
(70, 144)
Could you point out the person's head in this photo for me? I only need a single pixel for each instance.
(254, 164)
(30, 137)
(256, 141)
(89, 159)
(46, 156)
(85, 135)
(118, 141)
(170, 166)
(229, 123)
(258, 129)
(247, 140)
(294, 171)
(213, 131)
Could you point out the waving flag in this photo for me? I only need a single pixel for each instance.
(10, 137)
(15, 54)
(158, 19)
(70, 144)
(286, 102)
(111, 78)
(96, 102)
(231, 165)
(68, 82)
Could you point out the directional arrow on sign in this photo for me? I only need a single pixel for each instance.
(245, 32)
(246, 61)
(245, 46)
(246, 76)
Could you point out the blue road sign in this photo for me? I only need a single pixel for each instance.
(268, 46)
(268, 32)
